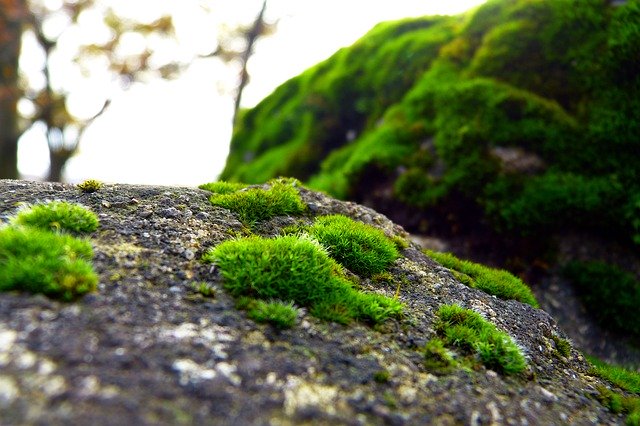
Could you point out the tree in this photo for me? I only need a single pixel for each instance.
(46, 97)
(237, 45)
(13, 14)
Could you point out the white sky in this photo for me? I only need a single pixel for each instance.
(177, 132)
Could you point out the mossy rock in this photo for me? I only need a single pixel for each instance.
(427, 104)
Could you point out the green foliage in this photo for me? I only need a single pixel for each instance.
(59, 216)
(204, 289)
(626, 379)
(90, 185)
(297, 269)
(437, 357)
(222, 187)
(469, 332)
(40, 261)
(279, 314)
(256, 204)
(562, 346)
(497, 282)
(611, 294)
(361, 248)
(382, 376)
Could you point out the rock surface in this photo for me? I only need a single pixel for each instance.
(147, 349)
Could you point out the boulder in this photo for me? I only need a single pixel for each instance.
(150, 347)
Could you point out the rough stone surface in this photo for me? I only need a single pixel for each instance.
(146, 349)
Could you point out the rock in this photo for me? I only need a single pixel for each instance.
(143, 350)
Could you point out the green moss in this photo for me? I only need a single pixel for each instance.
(467, 331)
(90, 185)
(297, 269)
(381, 376)
(40, 261)
(497, 282)
(280, 314)
(626, 379)
(611, 294)
(59, 216)
(361, 248)
(562, 346)
(437, 357)
(222, 187)
(256, 204)
(204, 289)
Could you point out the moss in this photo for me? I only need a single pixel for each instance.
(382, 376)
(59, 216)
(361, 248)
(626, 379)
(204, 289)
(562, 346)
(39, 261)
(255, 204)
(437, 357)
(280, 314)
(90, 185)
(467, 331)
(297, 269)
(611, 294)
(497, 282)
(222, 187)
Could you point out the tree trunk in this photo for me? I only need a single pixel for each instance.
(13, 14)
(57, 160)
(252, 36)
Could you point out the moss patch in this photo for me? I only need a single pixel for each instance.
(90, 185)
(468, 332)
(39, 261)
(222, 187)
(256, 204)
(59, 216)
(497, 282)
(299, 270)
(361, 248)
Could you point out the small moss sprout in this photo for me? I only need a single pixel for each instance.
(90, 185)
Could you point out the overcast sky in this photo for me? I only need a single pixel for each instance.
(177, 132)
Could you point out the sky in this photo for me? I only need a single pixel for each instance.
(177, 132)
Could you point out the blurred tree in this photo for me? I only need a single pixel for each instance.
(12, 17)
(236, 45)
(41, 99)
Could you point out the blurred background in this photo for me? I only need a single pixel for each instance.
(146, 91)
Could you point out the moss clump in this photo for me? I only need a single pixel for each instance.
(361, 248)
(468, 331)
(90, 185)
(222, 187)
(299, 270)
(562, 346)
(497, 282)
(437, 357)
(59, 216)
(255, 204)
(40, 261)
(280, 314)
(611, 294)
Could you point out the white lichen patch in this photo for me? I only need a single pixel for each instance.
(192, 372)
(8, 391)
(299, 395)
(213, 336)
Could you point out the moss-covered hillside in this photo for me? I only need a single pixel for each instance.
(525, 112)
